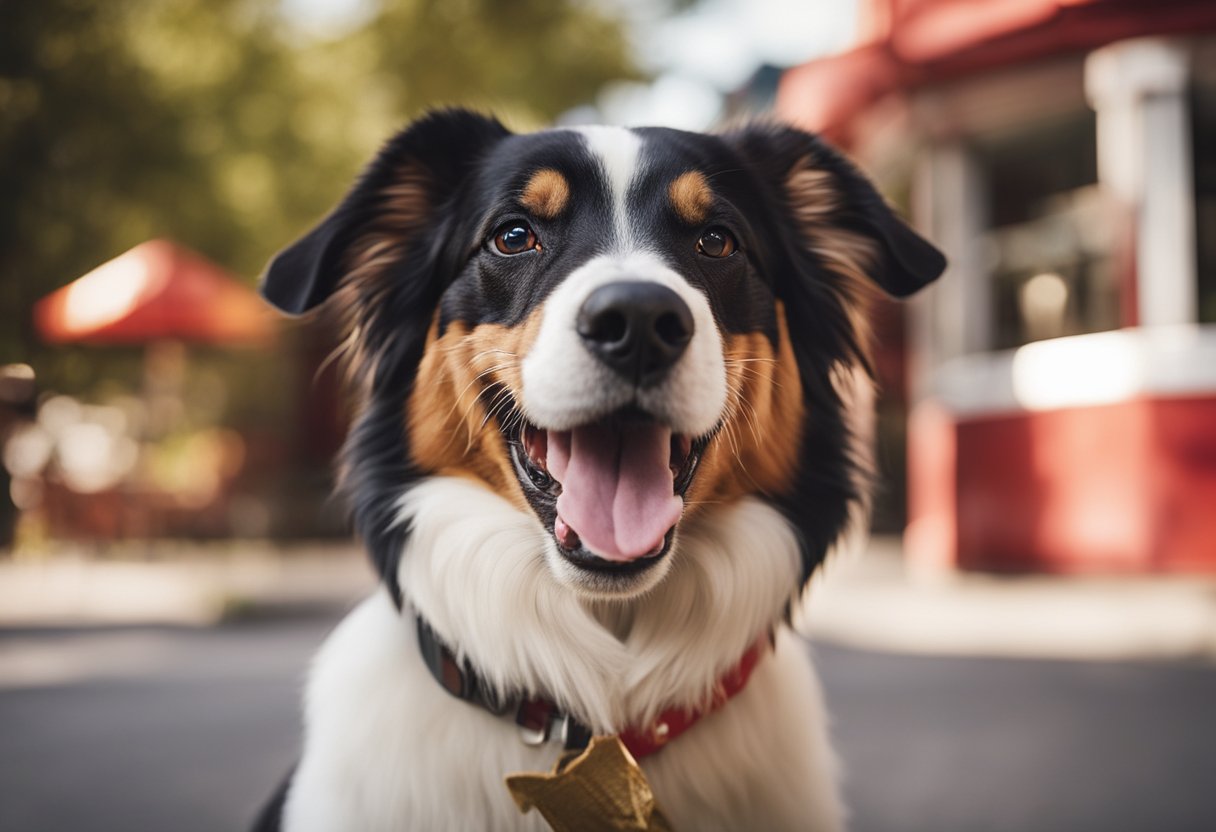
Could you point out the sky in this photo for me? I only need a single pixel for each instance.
(696, 57)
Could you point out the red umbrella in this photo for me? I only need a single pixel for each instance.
(156, 291)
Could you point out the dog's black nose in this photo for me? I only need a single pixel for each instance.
(637, 328)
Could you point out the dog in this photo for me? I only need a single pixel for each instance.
(602, 440)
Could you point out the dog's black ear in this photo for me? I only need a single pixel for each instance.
(395, 198)
(387, 253)
(837, 212)
(829, 238)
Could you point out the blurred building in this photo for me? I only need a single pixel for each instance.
(1063, 371)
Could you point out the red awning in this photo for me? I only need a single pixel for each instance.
(932, 41)
(156, 291)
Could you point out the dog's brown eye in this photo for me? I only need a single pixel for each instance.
(515, 238)
(716, 242)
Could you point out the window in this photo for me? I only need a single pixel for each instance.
(1203, 140)
(1050, 232)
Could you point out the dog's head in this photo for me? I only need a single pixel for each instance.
(614, 329)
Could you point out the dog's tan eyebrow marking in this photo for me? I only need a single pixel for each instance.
(547, 194)
(691, 196)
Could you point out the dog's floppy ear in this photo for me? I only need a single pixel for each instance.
(830, 237)
(837, 212)
(393, 200)
(385, 256)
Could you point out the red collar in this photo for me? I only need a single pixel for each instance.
(670, 724)
(540, 719)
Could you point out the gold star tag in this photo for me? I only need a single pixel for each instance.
(601, 790)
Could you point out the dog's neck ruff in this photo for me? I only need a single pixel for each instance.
(541, 720)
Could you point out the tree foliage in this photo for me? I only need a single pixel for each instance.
(214, 123)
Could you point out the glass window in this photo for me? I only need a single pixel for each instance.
(1050, 232)
(1203, 124)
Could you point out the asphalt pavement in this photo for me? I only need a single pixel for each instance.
(132, 728)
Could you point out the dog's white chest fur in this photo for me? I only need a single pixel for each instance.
(387, 749)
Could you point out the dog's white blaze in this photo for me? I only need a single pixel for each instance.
(564, 385)
(618, 150)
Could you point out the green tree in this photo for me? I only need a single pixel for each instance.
(213, 123)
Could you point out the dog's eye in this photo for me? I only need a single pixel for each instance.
(515, 238)
(716, 242)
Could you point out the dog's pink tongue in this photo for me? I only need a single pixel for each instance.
(617, 486)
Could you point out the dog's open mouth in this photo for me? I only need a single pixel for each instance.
(617, 487)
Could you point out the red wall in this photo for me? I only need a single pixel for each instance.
(1112, 488)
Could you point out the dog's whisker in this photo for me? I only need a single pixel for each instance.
(755, 360)
(748, 413)
(500, 399)
(461, 395)
(752, 374)
(492, 351)
(731, 438)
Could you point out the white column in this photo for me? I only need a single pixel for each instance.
(953, 317)
(1139, 90)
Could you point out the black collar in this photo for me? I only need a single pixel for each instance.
(539, 719)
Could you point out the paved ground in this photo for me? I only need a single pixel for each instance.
(138, 729)
(957, 744)
(150, 728)
(871, 602)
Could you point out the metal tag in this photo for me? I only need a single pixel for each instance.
(600, 790)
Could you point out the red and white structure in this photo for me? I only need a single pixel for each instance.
(1063, 371)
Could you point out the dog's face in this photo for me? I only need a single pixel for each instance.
(614, 329)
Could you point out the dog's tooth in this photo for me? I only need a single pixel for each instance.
(536, 445)
(567, 537)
